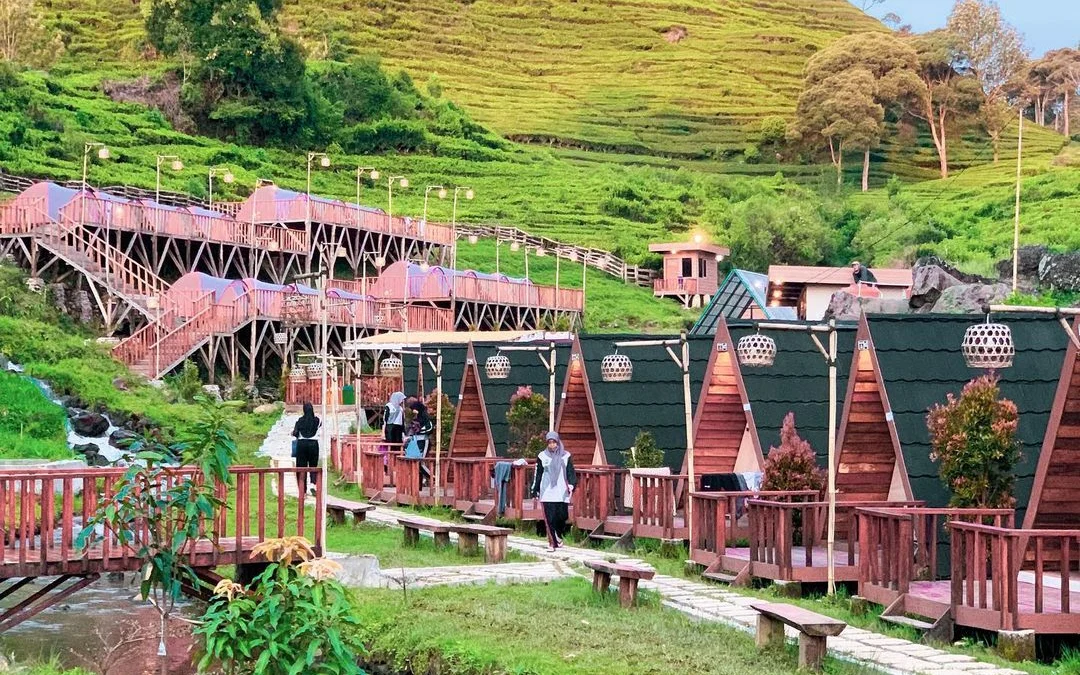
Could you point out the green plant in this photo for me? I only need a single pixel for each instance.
(528, 419)
(296, 618)
(162, 518)
(644, 453)
(187, 384)
(792, 466)
(448, 413)
(973, 438)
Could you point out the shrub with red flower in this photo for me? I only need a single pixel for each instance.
(973, 438)
(528, 422)
(793, 465)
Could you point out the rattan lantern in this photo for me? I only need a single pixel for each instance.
(298, 373)
(315, 369)
(616, 368)
(391, 366)
(989, 346)
(756, 351)
(280, 338)
(497, 367)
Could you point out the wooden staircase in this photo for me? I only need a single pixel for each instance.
(934, 622)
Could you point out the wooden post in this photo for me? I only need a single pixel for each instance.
(1016, 216)
(551, 387)
(832, 462)
(438, 424)
(689, 415)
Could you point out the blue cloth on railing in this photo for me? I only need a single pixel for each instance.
(502, 477)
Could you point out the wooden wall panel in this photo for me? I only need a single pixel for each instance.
(471, 437)
(1058, 501)
(576, 425)
(866, 458)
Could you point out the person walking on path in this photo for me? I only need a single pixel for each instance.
(553, 485)
(307, 448)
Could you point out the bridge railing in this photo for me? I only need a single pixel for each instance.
(42, 513)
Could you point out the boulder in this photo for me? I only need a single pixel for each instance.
(119, 384)
(90, 424)
(1061, 271)
(122, 438)
(844, 306)
(1029, 258)
(97, 460)
(265, 409)
(927, 284)
(213, 391)
(964, 277)
(970, 298)
(86, 449)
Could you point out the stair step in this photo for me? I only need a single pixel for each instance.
(605, 537)
(473, 516)
(901, 620)
(719, 577)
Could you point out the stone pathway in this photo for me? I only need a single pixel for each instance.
(506, 573)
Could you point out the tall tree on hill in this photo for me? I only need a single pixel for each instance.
(890, 63)
(1033, 84)
(1063, 66)
(840, 111)
(24, 37)
(947, 91)
(993, 52)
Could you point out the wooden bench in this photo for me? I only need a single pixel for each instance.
(813, 629)
(629, 575)
(413, 527)
(494, 540)
(337, 508)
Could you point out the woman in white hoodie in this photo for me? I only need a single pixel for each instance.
(553, 485)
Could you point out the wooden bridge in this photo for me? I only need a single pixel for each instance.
(42, 513)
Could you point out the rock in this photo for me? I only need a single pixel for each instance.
(122, 438)
(59, 296)
(265, 409)
(98, 461)
(970, 298)
(74, 412)
(82, 308)
(844, 306)
(1029, 257)
(213, 391)
(90, 424)
(86, 449)
(964, 277)
(1061, 271)
(927, 284)
(4, 362)
(119, 384)
(140, 424)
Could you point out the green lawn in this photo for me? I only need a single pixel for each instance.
(386, 543)
(557, 628)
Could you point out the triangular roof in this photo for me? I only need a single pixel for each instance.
(526, 370)
(576, 418)
(1055, 500)
(725, 436)
(920, 363)
(869, 462)
(798, 382)
(741, 295)
(472, 433)
(652, 401)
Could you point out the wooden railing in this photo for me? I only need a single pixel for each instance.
(595, 497)
(721, 519)
(991, 587)
(656, 500)
(23, 216)
(897, 546)
(412, 473)
(688, 285)
(295, 210)
(40, 512)
(472, 480)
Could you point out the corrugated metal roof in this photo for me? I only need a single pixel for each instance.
(834, 276)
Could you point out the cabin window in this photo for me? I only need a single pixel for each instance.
(702, 268)
(687, 267)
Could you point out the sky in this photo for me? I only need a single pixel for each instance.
(1046, 24)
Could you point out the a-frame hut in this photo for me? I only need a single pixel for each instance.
(652, 401)
(797, 382)
(919, 361)
(526, 370)
(1055, 499)
(869, 463)
(576, 417)
(472, 432)
(725, 436)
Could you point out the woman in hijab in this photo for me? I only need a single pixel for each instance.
(394, 419)
(421, 426)
(307, 448)
(553, 485)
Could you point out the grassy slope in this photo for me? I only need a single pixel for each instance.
(562, 627)
(30, 424)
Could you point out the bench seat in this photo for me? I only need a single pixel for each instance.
(814, 629)
(629, 575)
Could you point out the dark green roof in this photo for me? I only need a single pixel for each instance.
(526, 369)
(453, 368)
(652, 401)
(797, 382)
(921, 363)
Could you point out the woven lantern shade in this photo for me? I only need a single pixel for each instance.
(988, 346)
(391, 366)
(756, 350)
(616, 368)
(497, 367)
(314, 369)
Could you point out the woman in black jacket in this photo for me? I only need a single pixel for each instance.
(307, 448)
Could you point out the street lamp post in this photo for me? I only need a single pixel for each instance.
(442, 195)
(226, 175)
(176, 165)
(102, 153)
(403, 182)
(324, 161)
(469, 194)
(360, 171)
(1016, 217)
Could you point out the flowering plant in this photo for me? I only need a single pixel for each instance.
(973, 438)
(792, 466)
(528, 420)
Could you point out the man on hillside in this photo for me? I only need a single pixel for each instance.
(862, 273)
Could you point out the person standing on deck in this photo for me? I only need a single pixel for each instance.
(394, 419)
(307, 448)
(553, 485)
